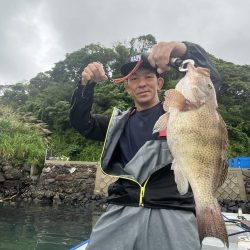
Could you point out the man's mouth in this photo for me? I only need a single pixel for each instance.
(142, 92)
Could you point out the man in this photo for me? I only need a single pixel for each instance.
(146, 211)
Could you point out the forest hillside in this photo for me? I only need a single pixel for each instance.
(47, 97)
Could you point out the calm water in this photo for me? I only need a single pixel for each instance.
(44, 227)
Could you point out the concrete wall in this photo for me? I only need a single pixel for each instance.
(102, 182)
(83, 182)
(236, 185)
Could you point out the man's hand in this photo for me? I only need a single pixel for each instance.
(94, 72)
(162, 52)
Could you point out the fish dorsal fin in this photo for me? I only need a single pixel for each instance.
(161, 123)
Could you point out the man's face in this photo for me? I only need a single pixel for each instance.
(143, 87)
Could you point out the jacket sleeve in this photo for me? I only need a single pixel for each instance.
(91, 126)
(200, 56)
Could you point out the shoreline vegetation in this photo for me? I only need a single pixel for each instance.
(46, 97)
(20, 142)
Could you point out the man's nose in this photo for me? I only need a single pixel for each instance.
(141, 82)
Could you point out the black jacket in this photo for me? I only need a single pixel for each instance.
(156, 188)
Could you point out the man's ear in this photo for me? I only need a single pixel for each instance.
(126, 87)
(160, 83)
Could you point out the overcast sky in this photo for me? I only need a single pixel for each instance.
(35, 34)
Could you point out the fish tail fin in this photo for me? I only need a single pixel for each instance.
(211, 223)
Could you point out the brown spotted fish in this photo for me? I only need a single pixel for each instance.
(197, 138)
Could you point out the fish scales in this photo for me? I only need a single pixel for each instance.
(197, 138)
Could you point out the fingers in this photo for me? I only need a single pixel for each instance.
(160, 56)
(163, 51)
(93, 72)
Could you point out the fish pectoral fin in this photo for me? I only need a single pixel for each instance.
(161, 123)
(174, 99)
(180, 179)
(223, 174)
(223, 168)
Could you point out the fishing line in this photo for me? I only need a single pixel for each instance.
(241, 232)
(242, 226)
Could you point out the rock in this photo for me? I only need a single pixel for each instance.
(62, 196)
(12, 174)
(25, 176)
(49, 194)
(26, 167)
(223, 209)
(36, 200)
(6, 167)
(88, 195)
(233, 209)
(80, 176)
(80, 197)
(59, 182)
(98, 197)
(2, 179)
(72, 170)
(57, 200)
(11, 184)
(93, 197)
(89, 181)
(34, 178)
(49, 181)
(64, 177)
(46, 170)
(39, 194)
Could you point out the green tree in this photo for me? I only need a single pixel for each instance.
(141, 44)
(48, 95)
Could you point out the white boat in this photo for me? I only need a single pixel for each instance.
(238, 228)
(236, 224)
(81, 246)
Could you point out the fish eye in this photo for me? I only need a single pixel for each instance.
(209, 85)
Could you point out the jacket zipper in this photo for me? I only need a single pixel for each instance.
(142, 193)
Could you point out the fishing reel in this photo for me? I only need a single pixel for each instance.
(175, 62)
(180, 65)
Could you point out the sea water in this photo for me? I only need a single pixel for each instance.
(44, 227)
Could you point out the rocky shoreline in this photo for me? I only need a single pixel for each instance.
(53, 186)
(70, 185)
(231, 206)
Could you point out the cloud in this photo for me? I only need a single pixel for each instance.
(36, 34)
(28, 43)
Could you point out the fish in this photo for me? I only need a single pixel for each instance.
(198, 139)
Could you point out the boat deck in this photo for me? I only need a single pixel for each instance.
(236, 242)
